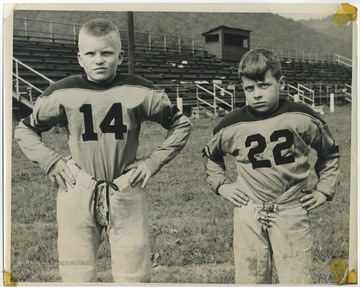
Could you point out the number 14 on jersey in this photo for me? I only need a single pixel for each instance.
(106, 126)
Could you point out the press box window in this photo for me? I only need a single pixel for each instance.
(235, 40)
(212, 38)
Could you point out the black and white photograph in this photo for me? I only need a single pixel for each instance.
(180, 143)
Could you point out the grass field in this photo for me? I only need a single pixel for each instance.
(191, 228)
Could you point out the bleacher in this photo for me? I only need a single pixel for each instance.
(175, 71)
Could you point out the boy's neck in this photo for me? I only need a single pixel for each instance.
(98, 83)
(279, 104)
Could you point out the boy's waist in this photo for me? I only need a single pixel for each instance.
(88, 181)
(289, 198)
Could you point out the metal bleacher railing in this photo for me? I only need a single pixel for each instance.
(343, 60)
(217, 104)
(21, 95)
(304, 94)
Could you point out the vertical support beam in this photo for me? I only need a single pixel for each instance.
(313, 99)
(215, 107)
(131, 61)
(17, 81)
(336, 93)
(234, 100)
(327, 92)
(51, 32)
(26, 30)
(74, 33)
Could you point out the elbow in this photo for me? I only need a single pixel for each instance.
(17, 132)
(189, 127)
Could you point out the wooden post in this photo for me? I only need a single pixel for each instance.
(130, 20)
(26, 30)
(51, 32)
(74, 33)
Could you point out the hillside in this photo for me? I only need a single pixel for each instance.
(326, 26)
(268, 30)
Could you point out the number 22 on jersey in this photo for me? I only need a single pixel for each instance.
(106, 126)
(279, 158)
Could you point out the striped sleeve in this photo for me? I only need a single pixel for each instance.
(327, 166)
(214, 162)
(178, 128)
(46, 114)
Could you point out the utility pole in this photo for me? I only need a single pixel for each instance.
(131, 65)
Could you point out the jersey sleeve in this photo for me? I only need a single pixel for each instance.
(327, 166)
(46, 113)
(159, 109)
(214, 153)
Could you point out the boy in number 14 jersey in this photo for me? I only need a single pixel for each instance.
(101, 186)
(270, 140)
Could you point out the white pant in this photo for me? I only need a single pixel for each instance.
(288, 242)
(79, 235)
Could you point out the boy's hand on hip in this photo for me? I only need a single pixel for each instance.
(232, 193)
(313, 199)
(142, 172)
(60, 174)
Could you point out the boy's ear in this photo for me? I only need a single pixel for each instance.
(121, 57)
(282, 82)
(80, 60)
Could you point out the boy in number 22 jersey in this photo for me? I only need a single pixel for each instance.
(101, 186)
(270, 140)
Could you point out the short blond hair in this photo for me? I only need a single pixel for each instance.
(99, 27)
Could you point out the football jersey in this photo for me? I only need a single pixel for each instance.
(272, 152)
(103, 124)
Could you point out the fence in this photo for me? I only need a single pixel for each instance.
(322, 91)
(296, 54)
(53, 31)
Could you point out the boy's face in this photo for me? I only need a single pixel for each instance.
(263, 96)
(99, 56)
